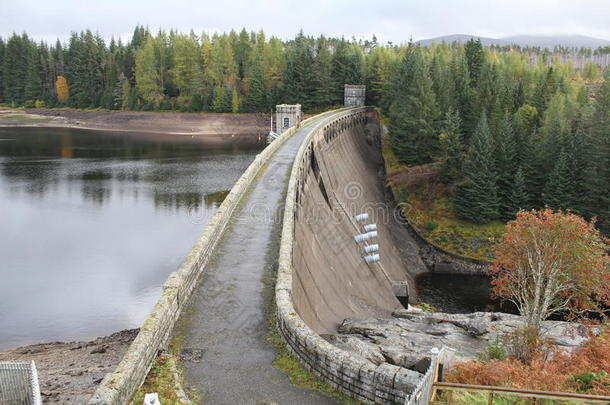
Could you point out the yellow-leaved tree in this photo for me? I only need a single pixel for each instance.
(61, 88)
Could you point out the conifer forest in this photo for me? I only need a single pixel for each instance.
(502, 132)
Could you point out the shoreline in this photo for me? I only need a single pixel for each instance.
(219, 126)
(69, 372)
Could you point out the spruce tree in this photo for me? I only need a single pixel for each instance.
(505, 157)
(597, 180)
(413, 113)
(476, 198)
(452, 147)
(559, 188)
(519, 198)
(323, 96)
(475, 59)
(464, 96)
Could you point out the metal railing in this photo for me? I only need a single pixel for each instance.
(19, 384)
(496, 393)
(423, 393)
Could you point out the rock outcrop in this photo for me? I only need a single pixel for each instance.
(407, 339)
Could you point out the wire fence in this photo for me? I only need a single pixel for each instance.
(19, 384)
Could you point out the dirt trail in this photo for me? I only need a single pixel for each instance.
(226, 356)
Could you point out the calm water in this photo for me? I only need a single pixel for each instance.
(92, 223)
(455, 293)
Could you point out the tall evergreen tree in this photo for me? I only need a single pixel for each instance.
(452, 147)
(476, 198)
(323, 81)
(597, 180)
(475, 59)
(413, 112)
(519, 198)
(505, 157)
(560, 186)
(148, 77)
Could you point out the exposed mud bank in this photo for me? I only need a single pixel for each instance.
(221, 127)
(70, 372)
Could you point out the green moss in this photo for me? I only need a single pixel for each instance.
(298, 375)
(426, 307)
(160, 379)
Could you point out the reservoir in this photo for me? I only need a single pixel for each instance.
(93, 222)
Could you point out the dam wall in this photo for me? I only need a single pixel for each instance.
(322, 275)
(118, 387)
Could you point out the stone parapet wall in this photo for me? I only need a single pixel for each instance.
(351, 374)
(118, 387)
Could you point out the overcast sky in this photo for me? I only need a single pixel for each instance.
(390, 20)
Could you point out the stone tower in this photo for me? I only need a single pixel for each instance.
(354, 95)
(286, 116)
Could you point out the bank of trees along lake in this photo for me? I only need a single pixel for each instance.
(502, 134)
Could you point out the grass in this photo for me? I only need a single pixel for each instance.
(481, 398)
(298, 375)
(430, 210)
(160, 379)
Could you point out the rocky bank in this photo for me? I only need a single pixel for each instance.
(408, 337)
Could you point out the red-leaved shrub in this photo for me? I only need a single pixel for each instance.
(586, 369)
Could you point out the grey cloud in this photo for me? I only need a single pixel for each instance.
(390, 20)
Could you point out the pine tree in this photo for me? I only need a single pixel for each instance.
(378, 73)
(323, 94)
(222, 101)
(519, 198)
(148, 77)
(597, 180)
(298, 76)
(559, 188)
(452, 147)
(476, 198)
(475, 59)
(505, 157)
(346, 67)
(464, 97)
(413, 113)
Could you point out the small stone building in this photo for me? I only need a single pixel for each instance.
(286, 116)
(355, 95)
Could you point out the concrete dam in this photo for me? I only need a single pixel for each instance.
(332, 263)
(331, 279)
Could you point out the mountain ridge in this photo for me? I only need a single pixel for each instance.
(543, 41)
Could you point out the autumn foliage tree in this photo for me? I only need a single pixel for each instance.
(61, 89)
(549, 262)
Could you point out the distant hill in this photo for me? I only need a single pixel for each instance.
(576, 41)
(573, 41)
(462, 38)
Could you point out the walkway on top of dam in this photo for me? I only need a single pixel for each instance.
(223, 331)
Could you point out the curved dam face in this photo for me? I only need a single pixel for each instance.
(331, 280)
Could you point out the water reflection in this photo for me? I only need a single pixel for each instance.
(91, 224)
